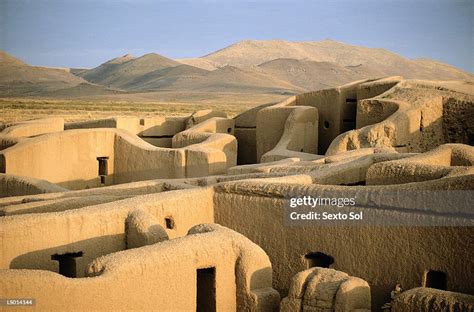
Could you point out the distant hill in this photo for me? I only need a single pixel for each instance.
(20, 79)
(153, 72)
(256, 52)
(312, 75)
(121, 71)
(233, 79)
(251, 66)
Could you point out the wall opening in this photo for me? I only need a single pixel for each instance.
(436, 279)
(142, 122)
(103, 168)
(318, 259)
(326, 124)
(169, 222)
(349, 115)
(229, 130)
(67, 263)
(206, 290)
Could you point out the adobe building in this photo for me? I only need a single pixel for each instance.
(170, 222)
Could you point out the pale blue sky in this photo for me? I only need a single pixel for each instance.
(85, 33)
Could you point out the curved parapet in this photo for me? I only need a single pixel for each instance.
(212, 270)
(413, 116)
(34, 127)
(201, 116)
(447, 160)
(84, 158)
(270, 123)
(11, 185)
(321, 289)
(211, 139)
(335, 112)
(299, 138)
(425, 299)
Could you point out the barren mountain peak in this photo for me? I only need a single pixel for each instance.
(6, 58)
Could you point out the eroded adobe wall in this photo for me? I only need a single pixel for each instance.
(383, 256)
(11, 185)
(246, 133)
(157, 130)
(137, 160)
(67, 158)
(458, 120)
(328, 103)
(33, 127)
(166, 277)
(337, 107)
(413, 116)
(29, 241)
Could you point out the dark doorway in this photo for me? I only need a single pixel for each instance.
(206, 290)
(436, 279)
(67, 263)
(349, 115)
(318, 259)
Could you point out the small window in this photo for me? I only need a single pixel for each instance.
(169, 223)
(142, 122)
(436, 279)
(318, 259)
(103, 166)
(326, 124)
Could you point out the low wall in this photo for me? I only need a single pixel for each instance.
(95, 230)
(384, 255)
(33, 127)
(71, 158)
(164, 277)
(11, 185)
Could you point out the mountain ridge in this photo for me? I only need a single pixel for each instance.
(248, 66)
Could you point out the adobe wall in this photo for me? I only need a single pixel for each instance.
(413, 116)
(95, 230)
(245, 132)
(70, 158)
(66, 200)
(137, 160)
(337, 107)
(425, 299)
(159, 277)
(382, 255)
(270, 123)
(67, 158)
(299, 138)
(157, 131)
(33, 127)
(11, 185)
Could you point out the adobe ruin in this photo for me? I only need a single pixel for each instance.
(189, 213)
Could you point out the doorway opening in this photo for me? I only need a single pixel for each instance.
(206, 290)
(436, 279)
(67, 263)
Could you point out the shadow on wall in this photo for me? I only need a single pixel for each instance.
(410, 127)
(89, 249)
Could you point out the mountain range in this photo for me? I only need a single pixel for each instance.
(252, 66)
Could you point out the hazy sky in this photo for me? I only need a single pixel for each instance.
(85, 33)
